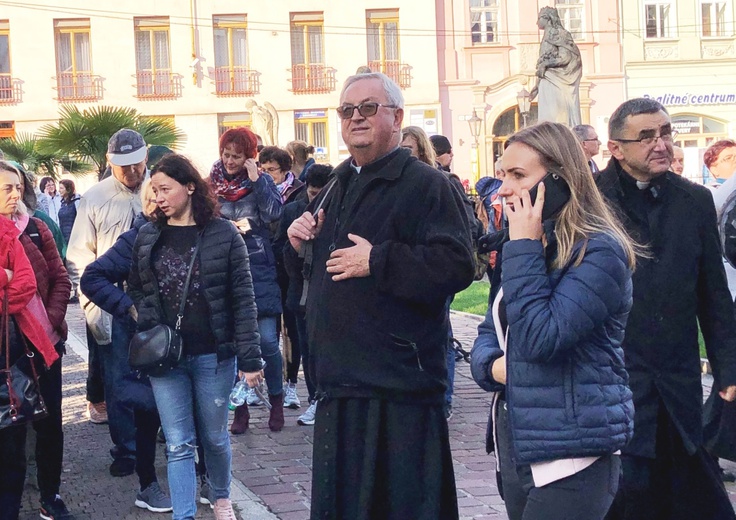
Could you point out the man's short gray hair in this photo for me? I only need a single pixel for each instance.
(582, 131)
(392, 90)
(632, 107)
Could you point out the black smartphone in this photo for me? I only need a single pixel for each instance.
(556, 195)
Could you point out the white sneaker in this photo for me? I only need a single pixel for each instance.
(291, 400)
(252, 399)
(307, 418)
(224, 509)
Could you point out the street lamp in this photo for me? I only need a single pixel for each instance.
(474, 122)
(524, 100)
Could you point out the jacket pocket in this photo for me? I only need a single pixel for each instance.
(406, 346)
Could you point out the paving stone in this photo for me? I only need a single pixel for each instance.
(271, 470)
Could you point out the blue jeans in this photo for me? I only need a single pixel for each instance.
(268, 328)
(114, 360)
(199, 385)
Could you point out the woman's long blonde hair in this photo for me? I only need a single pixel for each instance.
(586, 212)
(424, 145)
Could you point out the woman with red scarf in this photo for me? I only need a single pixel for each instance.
(18, 281)
(250, 199)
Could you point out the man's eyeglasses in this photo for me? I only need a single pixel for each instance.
(649, 140)
(364, 109)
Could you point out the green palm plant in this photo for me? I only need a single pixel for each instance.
(24, 149)
(83, 134)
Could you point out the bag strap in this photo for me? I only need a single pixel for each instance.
(5, 328)
(184, 295)
(307, 251)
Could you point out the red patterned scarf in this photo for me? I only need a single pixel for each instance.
(232, 190)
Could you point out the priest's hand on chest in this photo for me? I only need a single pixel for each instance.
(351, 262)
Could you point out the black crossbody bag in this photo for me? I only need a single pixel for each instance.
(157, 350)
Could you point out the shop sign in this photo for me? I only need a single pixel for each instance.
(686, 99)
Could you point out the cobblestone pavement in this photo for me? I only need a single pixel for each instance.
(271, 471)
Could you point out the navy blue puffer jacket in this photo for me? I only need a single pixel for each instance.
(261, 207)
(567, 389)
(102, 279)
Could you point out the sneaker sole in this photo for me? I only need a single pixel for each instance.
(292, 406)
(305, 423)
(46, 517)
(205, 501)
(144, 505)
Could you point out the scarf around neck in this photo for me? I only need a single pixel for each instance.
(284, 186)
(230, 190)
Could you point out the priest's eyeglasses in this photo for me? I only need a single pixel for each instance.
(367, 109)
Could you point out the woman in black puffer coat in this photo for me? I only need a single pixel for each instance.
(219, 328)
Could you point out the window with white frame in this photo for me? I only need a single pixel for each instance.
(713, 18)
(657, 19)
(571, 15)
(484, 21)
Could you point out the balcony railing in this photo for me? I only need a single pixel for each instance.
(394, 69)
(10, 92)
(160, 84)
(236, 81)
(312, 78)
(78, 86)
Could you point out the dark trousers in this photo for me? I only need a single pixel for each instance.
(12, 470)
(147, 423)
(301, 327)
(586, 495)
(292, 367)
(674, 486)
(49, 434)
(115, 367)
(95, 383)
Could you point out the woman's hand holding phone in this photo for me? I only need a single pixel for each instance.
(525, 218)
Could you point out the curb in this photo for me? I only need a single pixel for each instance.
(246, 502)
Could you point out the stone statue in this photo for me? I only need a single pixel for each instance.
(559, 69)
(264, 121)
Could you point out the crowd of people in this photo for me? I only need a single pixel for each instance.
(601, 280)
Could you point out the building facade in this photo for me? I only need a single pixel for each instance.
(488, 51)
(212, 65)
(683, 53)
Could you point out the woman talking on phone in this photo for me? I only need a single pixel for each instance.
(550, 345)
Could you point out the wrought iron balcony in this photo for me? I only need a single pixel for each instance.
(78, 86)
(10, 91)
(312, 78)
(160, 84)
(236, 81)
(394, 69)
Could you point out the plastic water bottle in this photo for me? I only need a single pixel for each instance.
(237, 395)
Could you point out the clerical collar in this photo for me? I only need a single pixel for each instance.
(377, 164)
(642, 185)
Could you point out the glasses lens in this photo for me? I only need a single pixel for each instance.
(345, 111)
(368, 109)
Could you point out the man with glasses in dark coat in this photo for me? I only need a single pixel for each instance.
(678, 284)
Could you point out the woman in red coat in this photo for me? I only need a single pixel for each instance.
(49, 307)
(18, 281)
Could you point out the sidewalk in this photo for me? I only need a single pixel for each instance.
(271, 471)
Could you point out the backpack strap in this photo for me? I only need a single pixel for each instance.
(307, 251)
(34, 233)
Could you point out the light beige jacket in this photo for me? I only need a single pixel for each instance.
(105, 212)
